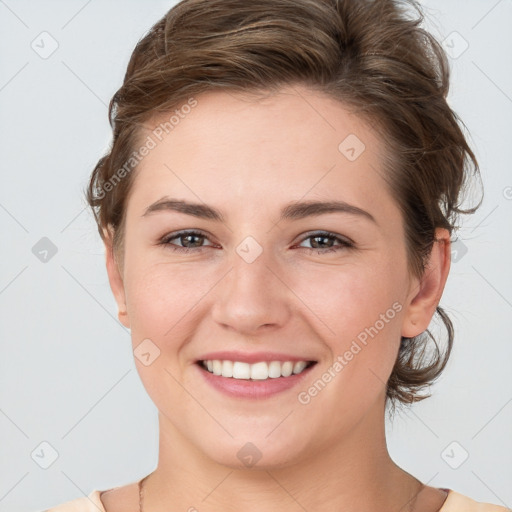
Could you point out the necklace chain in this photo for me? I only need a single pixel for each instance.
(141, 496)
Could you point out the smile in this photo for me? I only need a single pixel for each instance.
(257, 371)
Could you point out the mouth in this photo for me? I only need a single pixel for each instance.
(258, 371)
(254, 381)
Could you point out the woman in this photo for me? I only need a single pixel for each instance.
(276, 208)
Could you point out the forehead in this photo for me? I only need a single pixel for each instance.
(288, 145)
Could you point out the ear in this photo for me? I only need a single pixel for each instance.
(116, 280)
(425, 292)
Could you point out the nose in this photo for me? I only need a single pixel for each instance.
(252, 296)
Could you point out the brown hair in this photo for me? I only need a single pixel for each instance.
(370, 55)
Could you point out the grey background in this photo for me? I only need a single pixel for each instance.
(67, 371)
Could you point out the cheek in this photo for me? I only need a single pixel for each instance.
(350, 311)
(340, 304)
(161, 296)
(163, 300)
(357, 314)
(347, 299)
(170, 305)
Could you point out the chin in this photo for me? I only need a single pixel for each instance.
(255, 452)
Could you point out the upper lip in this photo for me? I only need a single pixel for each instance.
(252, 357)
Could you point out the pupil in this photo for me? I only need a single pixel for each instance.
(322, 238)
(192, 236)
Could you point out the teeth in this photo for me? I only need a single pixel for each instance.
(227, 369)
(259, 371)
(217, 367)
(274, 369)
(287, 369)
(241, 370)
(256, 371)
(299, 366)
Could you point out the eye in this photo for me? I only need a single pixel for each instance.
(193, 241)
(321, 238)
(192, 238)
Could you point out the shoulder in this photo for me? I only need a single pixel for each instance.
(117, 499)
(91, 503)
(456, 502)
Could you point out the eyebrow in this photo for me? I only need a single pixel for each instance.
(292, 211)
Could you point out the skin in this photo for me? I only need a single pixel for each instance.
(250, 158)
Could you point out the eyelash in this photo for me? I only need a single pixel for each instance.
(344, 243)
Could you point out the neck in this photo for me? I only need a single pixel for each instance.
(355, 474)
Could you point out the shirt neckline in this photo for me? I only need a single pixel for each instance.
(95, 496)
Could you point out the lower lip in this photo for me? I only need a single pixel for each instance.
(257, 389)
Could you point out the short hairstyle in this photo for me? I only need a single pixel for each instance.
(371, 55)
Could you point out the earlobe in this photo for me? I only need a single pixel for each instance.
(426, 292)
(116, 282)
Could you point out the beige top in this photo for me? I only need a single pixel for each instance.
(455, 502)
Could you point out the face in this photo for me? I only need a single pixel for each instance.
(295, 283)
